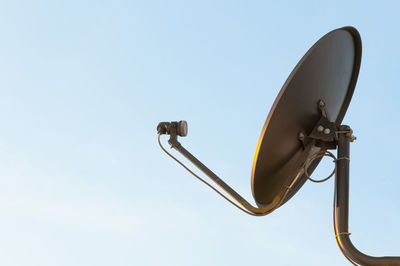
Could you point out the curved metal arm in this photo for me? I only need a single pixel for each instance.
(342, 208)
(252, 210)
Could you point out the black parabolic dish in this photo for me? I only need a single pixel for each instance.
(328, 72)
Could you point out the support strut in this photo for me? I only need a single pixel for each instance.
(244, 203)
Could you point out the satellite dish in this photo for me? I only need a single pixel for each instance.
(304, 122)
(326, 75)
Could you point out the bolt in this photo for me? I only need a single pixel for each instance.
(320, 129)
(327, 131)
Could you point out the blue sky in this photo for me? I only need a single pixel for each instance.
(83, 85)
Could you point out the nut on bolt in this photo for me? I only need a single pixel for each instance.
(350, 135)
(327, 131)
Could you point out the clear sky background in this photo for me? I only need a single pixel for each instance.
(83, 85)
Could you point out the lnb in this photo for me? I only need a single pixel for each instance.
(173, 128)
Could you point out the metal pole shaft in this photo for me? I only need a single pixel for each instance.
(342, 207)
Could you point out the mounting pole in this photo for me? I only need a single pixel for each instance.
(342, 206)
